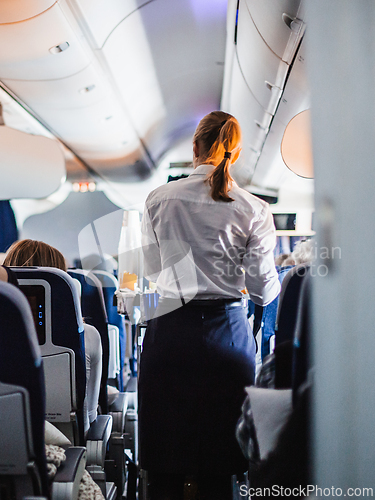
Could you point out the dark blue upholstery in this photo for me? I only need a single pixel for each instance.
(8, 226)
(286, 324)
(94, 313)
(289, 302)
(109, 287)
(269, 316)
(21, 364)
(301, 361)
(67, 325)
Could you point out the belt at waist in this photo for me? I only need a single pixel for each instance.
(215, 303)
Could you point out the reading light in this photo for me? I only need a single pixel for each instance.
(59, 48)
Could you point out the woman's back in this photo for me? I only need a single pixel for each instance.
(206, 242)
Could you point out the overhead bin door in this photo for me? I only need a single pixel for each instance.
(267, 16)
(28, 56)
(19, 10)
(254, 123)
(263, 70)
(271, 170)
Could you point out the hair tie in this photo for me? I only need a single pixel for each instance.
(227, 154)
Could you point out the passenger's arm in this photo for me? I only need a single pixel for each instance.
(93, 351)
(261, 276)
(150, 248)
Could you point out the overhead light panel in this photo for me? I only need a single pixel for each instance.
(59, 48)
(84, 187)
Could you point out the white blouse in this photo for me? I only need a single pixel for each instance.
(198, 248)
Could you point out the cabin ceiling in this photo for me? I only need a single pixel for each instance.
(118, 82)
(122, 83)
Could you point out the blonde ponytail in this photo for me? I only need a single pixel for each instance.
(219, 136)
(221, 181)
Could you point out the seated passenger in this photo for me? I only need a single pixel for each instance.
(284, 259)
(38, 253)
(303, 252)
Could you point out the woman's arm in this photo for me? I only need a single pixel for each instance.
(261, 277)
(150, 248)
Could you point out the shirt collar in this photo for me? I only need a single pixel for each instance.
(203, 170)
(206, 169)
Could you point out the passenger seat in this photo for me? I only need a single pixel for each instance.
(23, 470)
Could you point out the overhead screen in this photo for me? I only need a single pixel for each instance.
(285, 222)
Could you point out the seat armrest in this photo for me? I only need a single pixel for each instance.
(131, 390)
(131, 386)
(119, 404)
(100, 428)
(118, 411)
(68, 477)
(97, 440)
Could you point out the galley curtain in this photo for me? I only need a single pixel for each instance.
(8, 226)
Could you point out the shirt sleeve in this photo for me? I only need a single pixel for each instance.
(150, 248)
(261, 276)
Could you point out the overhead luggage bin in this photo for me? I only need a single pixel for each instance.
(254, 123)
(20, 10)
(101, 20)
(271, 170)
(267, 81)
(30, 166)
(82, 89)
(280, 36)
(32, 59)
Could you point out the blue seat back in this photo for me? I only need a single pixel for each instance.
(288, 302)
(270, 315)
(66, 324)
(21, 365)
(94, 313)
(286, 324)
(109, 286)
(301, 360)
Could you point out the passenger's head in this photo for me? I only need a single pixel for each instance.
(217, 141)
(285, 259)
(303, 252)
(34, 253)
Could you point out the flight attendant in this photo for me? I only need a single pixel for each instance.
(204, 240)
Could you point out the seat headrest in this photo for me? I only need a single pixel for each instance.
(16, 317)
(62, 286)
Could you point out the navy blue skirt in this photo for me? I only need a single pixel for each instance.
(195, 364)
